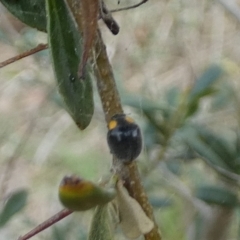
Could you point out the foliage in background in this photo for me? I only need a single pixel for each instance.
(178, 131)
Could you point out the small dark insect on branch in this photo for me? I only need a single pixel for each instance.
(38, 48)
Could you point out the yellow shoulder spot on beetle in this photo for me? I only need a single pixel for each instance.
(112, 124)
(129, 120)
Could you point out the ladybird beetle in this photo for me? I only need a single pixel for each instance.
(124, 138)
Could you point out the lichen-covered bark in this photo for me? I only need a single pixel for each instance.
(105, 81)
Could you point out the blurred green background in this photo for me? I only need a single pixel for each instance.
(177, 69)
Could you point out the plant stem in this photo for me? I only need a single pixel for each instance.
(39, 48)
(111, 106)
(49, 222)
(105, 81)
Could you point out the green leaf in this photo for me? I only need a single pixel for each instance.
(151, 136)
(203, 148)
(14, 204)
(214, 148)
(217, 195)
(174, 166)
(157, 202)
(202, 85)
(173, 97)
(224, 97)
(32, 13)
(193, 105)
(66, 50)
(101, 228)
(221, 147)
(141, 103)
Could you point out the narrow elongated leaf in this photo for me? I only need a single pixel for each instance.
(14, 204)
(157, 202)
(141, 103)
(101, 227)
(221, 147)
(213, 148)
(65, 46)
(217, 195)
(203, 87)
(205, 81)
(32, 13)
(193, 140)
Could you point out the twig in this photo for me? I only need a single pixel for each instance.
(130, 7)
(39, 48)
(46, 224)
(106, 17)
(112, 105)
(105, 81)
